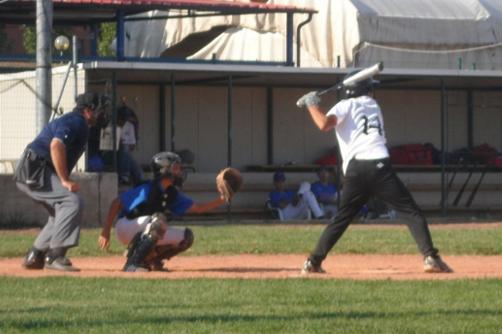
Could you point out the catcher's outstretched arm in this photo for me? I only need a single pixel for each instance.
(205, 207)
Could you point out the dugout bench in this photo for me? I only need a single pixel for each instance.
(462, 180)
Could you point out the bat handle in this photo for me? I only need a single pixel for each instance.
(327, 90)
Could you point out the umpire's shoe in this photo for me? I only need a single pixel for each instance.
(311, 268)
(60, 263)
(34, 259)
(434, 264)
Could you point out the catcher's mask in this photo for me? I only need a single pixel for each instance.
(162, 165)
(359, 88)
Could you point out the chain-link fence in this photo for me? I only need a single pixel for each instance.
(18, 115)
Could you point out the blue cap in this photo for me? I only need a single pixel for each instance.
(279, 177)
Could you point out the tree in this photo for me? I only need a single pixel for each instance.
(106, 37)
(107, 32)
(30, 37)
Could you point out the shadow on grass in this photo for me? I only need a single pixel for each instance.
(141, 319)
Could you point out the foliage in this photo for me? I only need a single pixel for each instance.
(30, 38)
(107, 35)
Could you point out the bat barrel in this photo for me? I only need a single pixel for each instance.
(359, 76)
(363, 74)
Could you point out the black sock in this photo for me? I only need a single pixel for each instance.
(54, 253)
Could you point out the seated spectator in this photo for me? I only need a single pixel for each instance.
(325, 192)
(292, 204)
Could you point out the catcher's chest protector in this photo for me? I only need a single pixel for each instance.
(157, 201)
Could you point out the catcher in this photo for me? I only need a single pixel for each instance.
(144, 211)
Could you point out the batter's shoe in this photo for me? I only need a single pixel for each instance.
(310, 268)
(34, 259)
(434, 264)
(60, 263)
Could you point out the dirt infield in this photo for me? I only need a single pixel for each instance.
(360, 267)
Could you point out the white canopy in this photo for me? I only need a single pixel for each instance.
(402, 33)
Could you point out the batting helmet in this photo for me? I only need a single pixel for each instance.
(359, 88)
(163, 162)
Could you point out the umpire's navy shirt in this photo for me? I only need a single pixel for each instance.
(71, 129)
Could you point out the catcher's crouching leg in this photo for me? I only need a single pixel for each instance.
(142, 246)
(165, 252)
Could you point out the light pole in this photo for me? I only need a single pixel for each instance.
(61, 44)
(44, 11)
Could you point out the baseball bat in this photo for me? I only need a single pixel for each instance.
(364, 74)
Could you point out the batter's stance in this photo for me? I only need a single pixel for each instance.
(358, 124)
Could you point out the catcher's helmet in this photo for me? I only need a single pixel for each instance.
(359, 88)
(163, 162)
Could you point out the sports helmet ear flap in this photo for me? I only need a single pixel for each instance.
(163, 162)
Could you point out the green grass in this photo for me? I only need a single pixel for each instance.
(131, 305)
(275, 239)
(73, 305)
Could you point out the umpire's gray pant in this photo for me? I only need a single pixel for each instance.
(65, 215)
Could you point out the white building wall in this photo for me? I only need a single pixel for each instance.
(201, 123)
(415, 117)
(488, 119)
(296, 138)
(18, 108)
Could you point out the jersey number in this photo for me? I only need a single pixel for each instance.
(371, 124)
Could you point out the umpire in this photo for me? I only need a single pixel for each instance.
(43, 174)
(358, 124)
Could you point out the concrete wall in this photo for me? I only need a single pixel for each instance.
(97, 189)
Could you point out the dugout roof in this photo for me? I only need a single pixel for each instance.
(282, 76)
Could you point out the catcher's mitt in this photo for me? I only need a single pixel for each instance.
(228, 182)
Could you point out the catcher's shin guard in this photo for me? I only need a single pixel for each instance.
(142, 245)
(139, 248)
(165, 252)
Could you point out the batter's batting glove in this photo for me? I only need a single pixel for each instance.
(309, 99)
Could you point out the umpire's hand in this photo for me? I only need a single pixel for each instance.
(71, 186)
